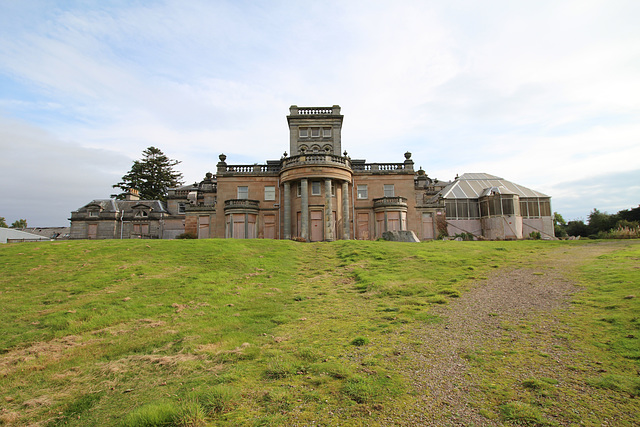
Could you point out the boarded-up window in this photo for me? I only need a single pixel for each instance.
(363, 225)
(393, 221)
(92, 231)
(269, 226)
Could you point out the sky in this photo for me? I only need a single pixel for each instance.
(542, 93)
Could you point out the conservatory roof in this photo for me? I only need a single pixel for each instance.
(474, 185)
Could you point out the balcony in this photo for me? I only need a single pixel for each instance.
(316, 159)
(241, 204)
(384, 202)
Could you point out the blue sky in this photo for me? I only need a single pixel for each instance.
(542, 93)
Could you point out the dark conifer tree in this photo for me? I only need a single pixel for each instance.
(152, 176)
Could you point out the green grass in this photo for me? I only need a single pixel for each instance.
(230, 332)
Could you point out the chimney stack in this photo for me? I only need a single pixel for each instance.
(132, 194)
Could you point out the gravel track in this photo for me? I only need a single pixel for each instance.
(436, 368)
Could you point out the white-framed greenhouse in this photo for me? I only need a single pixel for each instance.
(493, 208)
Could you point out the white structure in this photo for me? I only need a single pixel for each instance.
(10, 234)
(494, 208)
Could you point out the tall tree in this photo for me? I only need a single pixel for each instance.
(20, 223)
(152, 176)
(3, 222)
(559, 225)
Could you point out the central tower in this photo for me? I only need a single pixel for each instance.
(315, 130)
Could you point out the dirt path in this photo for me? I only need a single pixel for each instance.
(437, 368)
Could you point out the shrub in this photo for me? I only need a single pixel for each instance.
(186, 236)
(464, 236)
(535, 235)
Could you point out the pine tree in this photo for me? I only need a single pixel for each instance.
(152, 176)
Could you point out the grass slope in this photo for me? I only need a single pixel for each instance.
(232, 332)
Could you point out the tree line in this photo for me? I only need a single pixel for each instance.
(20, 223)
(601, 225)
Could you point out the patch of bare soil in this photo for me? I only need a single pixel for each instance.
(46, 351)
(437, 368)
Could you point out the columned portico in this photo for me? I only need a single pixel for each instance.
(345, 211)
(287, 210)
(304, 211)
(328, 212)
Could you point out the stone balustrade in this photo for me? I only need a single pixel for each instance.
(241, 204)
(390, 201)
(379, 167)
(315, 159)
(314, 110)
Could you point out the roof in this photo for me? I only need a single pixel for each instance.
(475, 185)
(10, 233)
(113, 205)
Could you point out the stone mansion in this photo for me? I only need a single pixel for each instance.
(317, 192)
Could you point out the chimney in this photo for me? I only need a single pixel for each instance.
(132, 194)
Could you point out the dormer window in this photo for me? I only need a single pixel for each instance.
(94, 213)
(141, 214)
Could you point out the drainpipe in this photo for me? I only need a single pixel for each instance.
(121, 223)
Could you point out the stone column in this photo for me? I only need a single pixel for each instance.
(304, 192)
(328, 212)
(345, 211)
(287, 210)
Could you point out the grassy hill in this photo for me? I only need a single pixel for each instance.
(260, 332)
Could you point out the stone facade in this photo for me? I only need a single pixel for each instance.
(316, 192)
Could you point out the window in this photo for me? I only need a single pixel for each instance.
(93, 213)
(269, 192)
(333, 189)
(299, 189)
(304, 132)
(389, 190)
(315, 188)
(141, 214)
(243, 192)
(507, 206)
(363, 192)
(326, 132)
(181, 208)
(315, 132)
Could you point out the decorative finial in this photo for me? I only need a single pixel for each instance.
(407, 155)
(222, 157)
